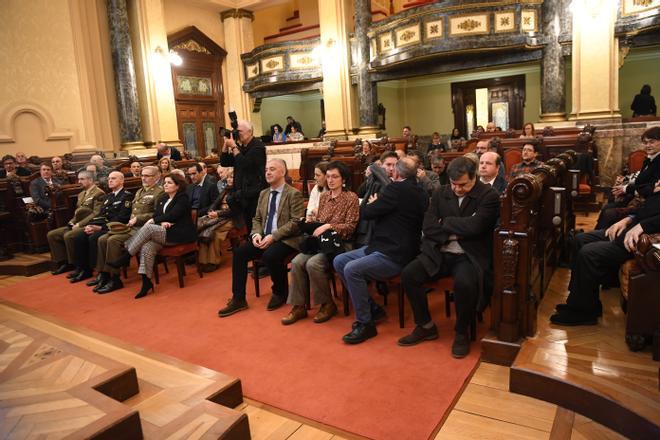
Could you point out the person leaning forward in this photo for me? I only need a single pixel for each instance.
(116, 208)
(275, 236)
(88, 206)
(111, 245)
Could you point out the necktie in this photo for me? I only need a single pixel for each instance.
(271, 212)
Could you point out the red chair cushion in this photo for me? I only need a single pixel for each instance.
(583, 188)
(178, 249)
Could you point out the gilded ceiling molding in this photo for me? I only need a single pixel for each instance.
(192, 46)
(236, 13)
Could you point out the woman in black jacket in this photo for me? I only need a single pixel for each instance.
(171, 223)
(644, 103)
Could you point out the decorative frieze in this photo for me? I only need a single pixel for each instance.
(631, 7)
(434, 29)
(505, 21)
(476, 24)
(408, 35)
(529, 20)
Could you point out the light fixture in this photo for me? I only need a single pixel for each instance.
(172, 57)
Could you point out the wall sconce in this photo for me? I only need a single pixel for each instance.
(172, 57)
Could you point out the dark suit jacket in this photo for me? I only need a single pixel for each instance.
(473, 222)
(20, 171)
(174, 154)
(648, 215)
(183, 229)
(38, 192)
(646, 179)
(397, 213)
(500, 184)
(116, 208)
(249, 170)
(207, 196)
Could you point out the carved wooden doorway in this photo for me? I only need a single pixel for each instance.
(198, 90)
(500, 100)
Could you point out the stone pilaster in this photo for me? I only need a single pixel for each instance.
(239, 39)
(130, 126)
(335, 65)
(553, 98)
(367, 92)
(595, 60)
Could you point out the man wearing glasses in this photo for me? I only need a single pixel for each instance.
(111, 245)
(61, 240)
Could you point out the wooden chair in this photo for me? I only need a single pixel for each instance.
(178, 252)
(256, 264)
(636, 160)
(511, 157)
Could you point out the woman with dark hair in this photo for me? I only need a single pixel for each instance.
(330, 231)
(277, 133)
(644, 103)
(171, 223)
(528, 131)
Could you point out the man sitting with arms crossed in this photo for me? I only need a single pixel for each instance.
(61, 240)
(398, 212)
(275, 235)
(530, 152)
(111, 245)
(599, 253)
(458, 242)
(489, 171)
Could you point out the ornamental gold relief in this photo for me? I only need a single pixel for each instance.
(252, 70)
(505, 21)
(408, 35)
(192, 46)
(528, 20)
(272, 64)
(302, 60)
(631, 7)
(473, 24)
(433, 29)
(386, 43)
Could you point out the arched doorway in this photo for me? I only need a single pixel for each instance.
(198, 92)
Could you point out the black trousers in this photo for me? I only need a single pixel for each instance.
(273, 257)
(86, 249)
(611, 213)
(596, 259)
(466, 289)
(249, 210)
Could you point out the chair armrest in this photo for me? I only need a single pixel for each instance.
(647, 255)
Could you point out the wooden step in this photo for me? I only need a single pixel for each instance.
(618, 390)
(26, 264)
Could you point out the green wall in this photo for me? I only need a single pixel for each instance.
(641, 66)
(304, 107)
(425, 102)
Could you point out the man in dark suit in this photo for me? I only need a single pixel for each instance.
(249, 162)
(398, 212)
(165, 150)
(490, 164)
(275, 236)
(116, 208)
(599, 253)
(458, 242)
(642, 185)
(202, 192)
(10, 169)
(39, 186)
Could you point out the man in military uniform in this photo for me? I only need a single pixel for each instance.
(116, 208)
(61, 240)
(111, 245)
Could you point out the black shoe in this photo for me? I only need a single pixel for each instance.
(63, 268)
(233, 306)
(461, 346)
(360, 333)
(100, 280)
(82, 276)
(378, 314)
(574, 317)
(75, 273)
(112, 285)
(419, 334)
(123, 260)
(565, 307)
(275, 302)
(147, 285)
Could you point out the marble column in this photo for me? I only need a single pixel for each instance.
(367, 92)
(595, 60)
(335, 60)
(130, 126)
(553, 96)
(239, 39)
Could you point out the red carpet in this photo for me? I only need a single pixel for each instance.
(376, 389)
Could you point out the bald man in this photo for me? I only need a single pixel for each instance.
(490, 164)
(116, 208)
(249, 162)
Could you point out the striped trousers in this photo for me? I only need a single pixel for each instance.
(147, 242)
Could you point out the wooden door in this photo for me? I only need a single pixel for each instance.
(198, 128)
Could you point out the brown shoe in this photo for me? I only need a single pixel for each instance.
(296, 313)
(327, 311)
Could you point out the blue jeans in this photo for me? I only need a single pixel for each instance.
(355, 268)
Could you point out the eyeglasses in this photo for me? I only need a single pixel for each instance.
(148, 175)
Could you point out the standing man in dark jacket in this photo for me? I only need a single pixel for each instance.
(249, 162)
(458, 242)
(398, 212)
(202, 191)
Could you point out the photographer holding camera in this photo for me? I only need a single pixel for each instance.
(249, 162)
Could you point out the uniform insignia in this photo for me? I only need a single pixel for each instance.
(117, 202)
(127, 204)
